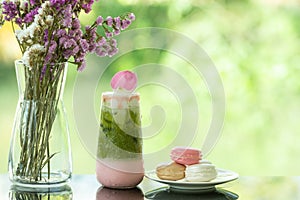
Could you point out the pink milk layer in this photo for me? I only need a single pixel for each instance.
(120, 173)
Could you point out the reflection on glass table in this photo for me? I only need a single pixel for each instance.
(86, 187)
(19, 193)
(119, 194)
(167, 194)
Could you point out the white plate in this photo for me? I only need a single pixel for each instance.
(224, 176)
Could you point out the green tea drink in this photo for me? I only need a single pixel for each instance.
(120, 161)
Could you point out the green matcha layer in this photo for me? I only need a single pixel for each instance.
(120, 133)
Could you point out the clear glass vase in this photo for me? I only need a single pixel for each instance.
(40, 151)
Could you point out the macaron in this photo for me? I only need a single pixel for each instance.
(200, 172)
(172, 171)
(185, 155)
(204, 162)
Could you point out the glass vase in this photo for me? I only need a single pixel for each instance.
(40, 151)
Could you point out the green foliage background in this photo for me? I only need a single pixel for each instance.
(255, 47)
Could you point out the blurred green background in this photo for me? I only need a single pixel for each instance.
(254, 45)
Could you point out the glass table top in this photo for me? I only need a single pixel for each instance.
(86, 187)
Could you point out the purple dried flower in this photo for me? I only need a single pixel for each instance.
(109, 21)
(131, 16)
(19, 21)
(59, 4)
(78, 35)
(46, 32)
(29, 17)
(60, 33)
(117, 21)
(43, 72)
(24, 5)
(48, 57)
(67, 20)
(106, 49)
(92, 47)
(117, 31)
(62, 40)
(87, 6)
(91, 34)
(76, 24)
(101, 41)
(9, 10)
(79, 57)
(69, 43)
(84, 45)
(32, 2)
(112, 52)
(54, 26)
(52, 47)
(82, 66)
(113, 47)
(125, 24)
(75, 50)
(101, 52)
(113, 42)
(99, 21)
(108, 34)
(67, 53)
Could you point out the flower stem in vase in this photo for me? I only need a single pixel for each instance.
(39, 111)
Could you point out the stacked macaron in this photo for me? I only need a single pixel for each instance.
(172, 171)
(201, 172)
(187, 164)
(186, 156)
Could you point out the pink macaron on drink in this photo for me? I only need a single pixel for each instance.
(119, 156)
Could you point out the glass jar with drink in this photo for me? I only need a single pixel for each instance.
(119, 156)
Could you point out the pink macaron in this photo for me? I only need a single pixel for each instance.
(185, 155)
